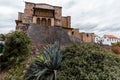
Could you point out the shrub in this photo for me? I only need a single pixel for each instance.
(88, 62)
(16, 49)
(1, 47)
(16, 73)
(116, 44)
(116, 48)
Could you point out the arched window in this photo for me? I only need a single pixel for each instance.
(87, 35)
(38, 20)
(43, 22)
(49, 22)
(72, 32)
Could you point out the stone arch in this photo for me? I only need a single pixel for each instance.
(49, 22)
(43, 22)
(38, 20)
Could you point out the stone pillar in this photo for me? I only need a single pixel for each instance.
(40, 20)
(52, 22)
(34, 19)
(68, 21)
(46, 22)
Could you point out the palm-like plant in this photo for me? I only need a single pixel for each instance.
(47, 63)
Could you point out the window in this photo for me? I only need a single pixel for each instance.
(87, 35)
(38, 20)
(72, 33)
(96, 39)
(43, 22)
(112, 39)
(104, 36)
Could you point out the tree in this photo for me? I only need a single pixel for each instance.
(16, 43)
(3, 36)
(16, 49)
(1, 47)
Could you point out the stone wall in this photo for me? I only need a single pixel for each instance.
(49, 16)
(58, 16)
(42, 35)
(44, 6)
(43, 13)
(66, 22)
(34, 11)
(87, 37)
(20, 16)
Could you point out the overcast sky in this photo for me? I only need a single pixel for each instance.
(98, 16)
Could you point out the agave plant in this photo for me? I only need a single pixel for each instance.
(46, 65)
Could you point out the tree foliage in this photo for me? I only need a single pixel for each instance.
(16, 48)
(16, 43)
(89, 62)
(3, 36)
(1, 47)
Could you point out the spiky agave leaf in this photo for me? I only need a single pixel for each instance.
(52, 56)
(41, 73)
(50, 60)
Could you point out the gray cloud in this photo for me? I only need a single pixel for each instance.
(99, 16)
(70, 4)
(11, 4)
(87, 27)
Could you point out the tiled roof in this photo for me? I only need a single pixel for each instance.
(111, 36)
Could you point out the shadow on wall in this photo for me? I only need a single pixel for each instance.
(42, 35)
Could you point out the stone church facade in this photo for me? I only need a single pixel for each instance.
(48, 15)
(42, 14)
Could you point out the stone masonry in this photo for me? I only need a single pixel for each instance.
(42, 14)
(48, 15)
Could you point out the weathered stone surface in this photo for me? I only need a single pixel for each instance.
(47, 17)
(42, 35)
(36, 12)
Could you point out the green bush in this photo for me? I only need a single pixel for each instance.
(16, 73)
(116, 44)
(16, 49)
(1, 47)
(88, 62)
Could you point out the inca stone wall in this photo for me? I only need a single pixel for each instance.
(50, 25)
(42, 35)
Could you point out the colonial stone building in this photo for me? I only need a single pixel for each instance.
(42, 14)
(48, 15)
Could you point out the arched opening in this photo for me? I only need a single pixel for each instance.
(87, 35)
(49, 22)
(43, 22)
(38, 20)
(72, 32)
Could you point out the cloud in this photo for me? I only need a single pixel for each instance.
(99, 16)
(70, 4)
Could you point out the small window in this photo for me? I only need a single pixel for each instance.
(72, 33)
(87, 35)
(96, 39)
